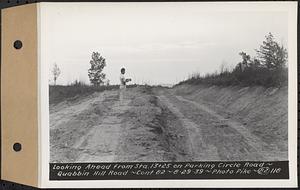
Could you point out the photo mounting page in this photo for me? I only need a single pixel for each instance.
(168, 94)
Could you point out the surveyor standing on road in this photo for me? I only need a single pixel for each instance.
(123, 82)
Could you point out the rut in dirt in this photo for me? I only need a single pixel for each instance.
(151, 125)
(150, 131)
(214, 137)
(99, 128)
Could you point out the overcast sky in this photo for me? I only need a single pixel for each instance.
(157, 43)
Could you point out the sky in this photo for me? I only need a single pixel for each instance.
(157, 43)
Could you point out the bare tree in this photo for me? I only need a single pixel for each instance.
(224, 67)
(56, 72)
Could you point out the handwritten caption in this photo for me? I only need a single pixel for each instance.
(239, 170)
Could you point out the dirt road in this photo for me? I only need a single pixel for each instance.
(152, 124)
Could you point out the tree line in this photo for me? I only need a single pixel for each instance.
(268, 68)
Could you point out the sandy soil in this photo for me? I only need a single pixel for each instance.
(152, 124)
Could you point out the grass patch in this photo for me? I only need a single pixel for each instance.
(61, 93)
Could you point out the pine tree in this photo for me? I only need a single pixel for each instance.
(271, 54)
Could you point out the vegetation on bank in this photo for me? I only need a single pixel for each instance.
(268, 69)
(60, 93)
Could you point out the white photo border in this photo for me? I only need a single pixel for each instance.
(44, 150)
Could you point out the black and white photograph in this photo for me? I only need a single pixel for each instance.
(167, 82)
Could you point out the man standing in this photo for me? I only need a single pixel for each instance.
(123, 82)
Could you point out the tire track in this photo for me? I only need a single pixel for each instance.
(212, 137)
(198, 149)
(101, 143)
(254, 141)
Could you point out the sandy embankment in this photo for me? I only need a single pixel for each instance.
(261, 111)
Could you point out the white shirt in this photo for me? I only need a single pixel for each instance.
(122, 81)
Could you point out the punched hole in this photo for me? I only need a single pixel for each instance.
(18, 44)
(17, 147)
